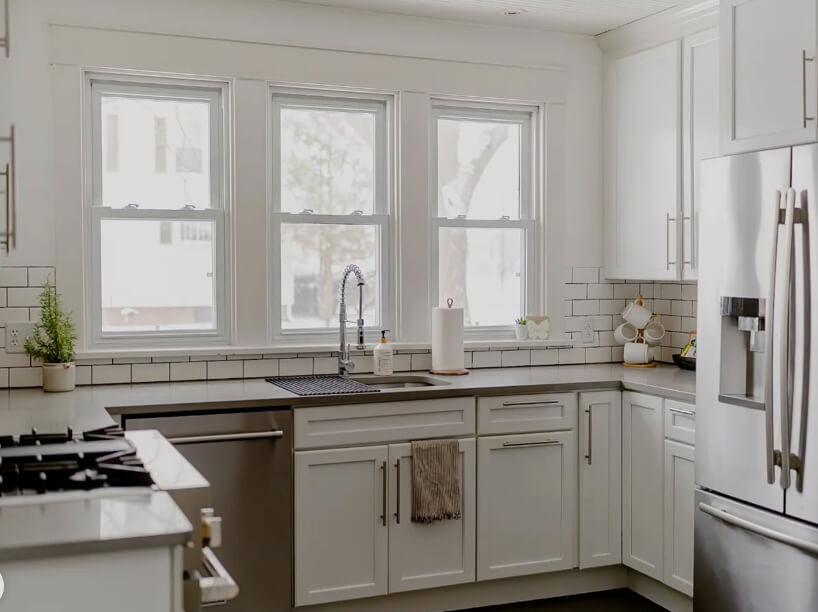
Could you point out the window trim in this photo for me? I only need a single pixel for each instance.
(216, 93)
(382, 216)
(530, 221)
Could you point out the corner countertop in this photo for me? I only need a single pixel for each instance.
(93, 406)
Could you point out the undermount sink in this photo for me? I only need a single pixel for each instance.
(396, 381)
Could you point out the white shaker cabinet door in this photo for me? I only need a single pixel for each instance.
(423, 556)
(526, 504)
(700, 129)
(680, 485)
(642, 483)
(340, 524)
(768, 83)
(642, 164)
(600, 479)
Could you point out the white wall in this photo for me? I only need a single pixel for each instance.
(289, 24)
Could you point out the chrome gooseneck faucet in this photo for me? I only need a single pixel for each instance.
(345, 364)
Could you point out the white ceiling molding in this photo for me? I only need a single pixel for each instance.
(588, 17)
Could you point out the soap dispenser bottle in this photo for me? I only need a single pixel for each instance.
(383, 356)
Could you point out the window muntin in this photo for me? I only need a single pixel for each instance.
(157, 258)
(331, 203)
(484, 231)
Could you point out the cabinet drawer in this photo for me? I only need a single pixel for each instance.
(383, 422)
(680, 421)
(524, 413)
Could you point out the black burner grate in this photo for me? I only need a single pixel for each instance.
(321, 385)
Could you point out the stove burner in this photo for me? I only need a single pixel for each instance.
(37, 463)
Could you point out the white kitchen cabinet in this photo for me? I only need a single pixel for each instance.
(642, 164)
(424, 556)
(700, 133)
(526, 504)
(642, 483)
(768, 87)
(600, 479)
(679, 512)
(341, 541)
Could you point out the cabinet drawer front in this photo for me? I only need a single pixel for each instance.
(383, 422)
(680, 421)
(524, 413)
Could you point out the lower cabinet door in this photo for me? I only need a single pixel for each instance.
(680, 487)
(340, 524)
(526, 504)
(423, 556)
(600, 479)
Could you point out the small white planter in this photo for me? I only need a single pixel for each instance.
(59, 377)
(521, 332)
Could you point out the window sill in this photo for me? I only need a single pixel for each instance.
(291, 349)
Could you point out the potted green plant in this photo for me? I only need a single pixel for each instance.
(52, 342)
(520, 329)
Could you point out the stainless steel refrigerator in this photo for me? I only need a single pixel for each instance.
(756, 525)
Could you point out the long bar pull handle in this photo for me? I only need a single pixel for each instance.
(797, 459)
(5, 242)
(681, 411)
(804, 60)
(783, 357)
(771, 534)
(668, 263)
(9, 240)
(539, 403)
(519, 444)
(231, 437)
(769, 323)
(691, 240)
(397, 491)
(589, 455)
(383, 489)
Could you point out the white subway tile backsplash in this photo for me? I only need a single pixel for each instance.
(25, 377)
(627, 291)
(571, 356)
(295, 367)
(689, 292)
(421, 361)
(671, 291)
(23, 296)
(681, 308)
(110, 374)
(576, 292)
(150, 372)
(13, 277)
(600, 291)
(13, 314)
(486, 359)
(329, 365)
(83, 375)
(512, 359)
(188, 370)
(611, 306)
(600, 354)
(37, 276)
(586, 307)
(14, 360)
(260, 368)
(219, 370)
(544, 357)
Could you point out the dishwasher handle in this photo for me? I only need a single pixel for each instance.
(228, 437)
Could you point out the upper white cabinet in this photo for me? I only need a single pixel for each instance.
(768, 89)
(600, 479)
(700, 133)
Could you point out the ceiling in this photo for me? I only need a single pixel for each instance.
(575, 16)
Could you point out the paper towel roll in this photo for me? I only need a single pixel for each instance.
(447, 339)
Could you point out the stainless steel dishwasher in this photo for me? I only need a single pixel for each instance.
(247, 458)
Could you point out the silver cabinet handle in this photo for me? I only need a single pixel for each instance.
(590, 435)
(769, 322)
(9, 236)
(538, 403)
(397, 491)
(804, 60)
(681, 411)
(542, 443)
(231, 437)
(383, 488)
(688, 262)
(218, 588)
(783, 358)
(772, 534)
(668, 219)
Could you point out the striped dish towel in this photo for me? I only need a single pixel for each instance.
(435, 481)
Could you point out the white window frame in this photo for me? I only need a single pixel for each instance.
(382, 218)
(216, 93)
(529, 119)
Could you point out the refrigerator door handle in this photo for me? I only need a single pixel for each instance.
(772, 456)
(783, 357)
(766, 532)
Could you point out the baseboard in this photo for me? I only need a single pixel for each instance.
(488, 593)
(660, 594)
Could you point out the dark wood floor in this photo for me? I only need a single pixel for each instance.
(609, 601)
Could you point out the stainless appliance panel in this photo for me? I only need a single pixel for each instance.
(740, 196)
(249, 467)
(802, 495)
(750, 560)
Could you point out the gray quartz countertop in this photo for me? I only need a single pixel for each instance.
(91, 407)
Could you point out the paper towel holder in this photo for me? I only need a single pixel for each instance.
(458, 372)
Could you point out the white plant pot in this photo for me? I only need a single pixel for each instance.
(521, 331)
(59, 377)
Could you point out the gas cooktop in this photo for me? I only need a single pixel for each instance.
(52, 462)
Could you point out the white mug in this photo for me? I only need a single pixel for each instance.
(637, 352)
(637, 315)
(654, 332)
(625, 333)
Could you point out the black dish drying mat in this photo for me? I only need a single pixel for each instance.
(320, 385)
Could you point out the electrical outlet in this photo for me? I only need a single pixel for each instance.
(16, 334)
(588, 330)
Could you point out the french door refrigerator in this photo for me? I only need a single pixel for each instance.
(756, 525)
